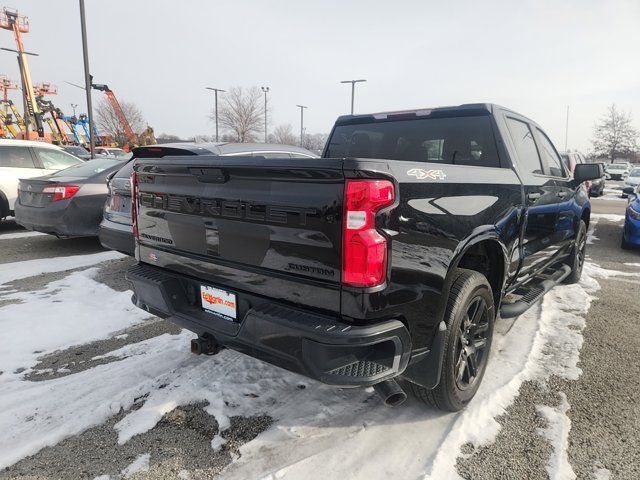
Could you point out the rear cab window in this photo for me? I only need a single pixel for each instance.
(16, 157)
(464, 140)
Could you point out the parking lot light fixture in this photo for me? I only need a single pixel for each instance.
(216, 90)
(301, 107)
(353, 89)
(265, 90)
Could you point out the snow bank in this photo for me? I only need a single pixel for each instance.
(29, 268)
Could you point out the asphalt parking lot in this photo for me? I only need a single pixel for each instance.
(581, 420)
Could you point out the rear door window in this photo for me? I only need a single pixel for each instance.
(16, 157)
(53, 159)
(451, 140)
(522, 137)
(551, 163)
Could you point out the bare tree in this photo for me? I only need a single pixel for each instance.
(283, 134)
(315, 142)
(614, 135)
(108, 122)
(242, 114)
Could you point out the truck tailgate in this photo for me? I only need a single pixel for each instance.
(270, 227)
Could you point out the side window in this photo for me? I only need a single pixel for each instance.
(56, 159)
(15, 157)
(525, 146)
(550, 159)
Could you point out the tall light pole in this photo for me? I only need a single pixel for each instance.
(301, 107)
(74, 106)
(87, 79)
(215, 91)
(566, 131)
(353, 89)
(265, 90)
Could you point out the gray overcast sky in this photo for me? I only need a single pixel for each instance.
(535, 57)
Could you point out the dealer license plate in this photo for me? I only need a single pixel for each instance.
(219, 302)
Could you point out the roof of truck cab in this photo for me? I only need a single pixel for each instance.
(467, 109)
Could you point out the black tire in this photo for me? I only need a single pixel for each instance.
(624, 244)
(459, 378)
(578, 253)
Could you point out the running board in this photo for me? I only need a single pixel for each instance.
(533, 291)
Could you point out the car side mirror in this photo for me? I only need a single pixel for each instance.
(628, 190)
(587, 171)
(110, 176)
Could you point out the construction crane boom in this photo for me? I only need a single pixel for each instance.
(111, 98)
(19, 24)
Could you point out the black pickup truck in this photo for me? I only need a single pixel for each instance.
(389, 257)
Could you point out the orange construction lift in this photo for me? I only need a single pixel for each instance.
(56, 124)
(9, 125)
(19, 24)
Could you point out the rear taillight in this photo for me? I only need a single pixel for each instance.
(364, 252)
(61, 192)
(133, 179)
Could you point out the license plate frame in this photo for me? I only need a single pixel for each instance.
(219, 302)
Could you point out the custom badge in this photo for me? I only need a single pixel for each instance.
(424, 174)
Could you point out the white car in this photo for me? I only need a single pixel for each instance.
(633, 179)
(27, 159)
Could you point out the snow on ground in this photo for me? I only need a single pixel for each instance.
(140, 464)
(317, 428)
(29, 268)
(11, 236)
(557, 432)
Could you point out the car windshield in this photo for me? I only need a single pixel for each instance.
(616, 166)
(89, 169)
(635, 172)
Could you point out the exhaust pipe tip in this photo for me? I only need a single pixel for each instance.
(391, 393)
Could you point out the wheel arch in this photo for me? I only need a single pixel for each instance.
(4, 205)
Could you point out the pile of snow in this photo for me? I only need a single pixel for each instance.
(557, 432)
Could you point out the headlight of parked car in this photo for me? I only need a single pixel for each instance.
(633, 213)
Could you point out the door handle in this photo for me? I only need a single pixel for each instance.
(563, 194)
(533, 196)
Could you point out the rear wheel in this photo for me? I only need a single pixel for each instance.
(578, 253)
(624, 244)
(469, 317)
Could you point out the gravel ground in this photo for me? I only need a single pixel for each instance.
(603, 410)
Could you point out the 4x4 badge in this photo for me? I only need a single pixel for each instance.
(422, 174)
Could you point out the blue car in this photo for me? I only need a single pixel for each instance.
(631, 233)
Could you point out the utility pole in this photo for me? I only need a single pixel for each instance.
(87, 79)
(353, 89)
(301, 107)
(215, 91)
(265, 90)
(74, 106)
(566, 131)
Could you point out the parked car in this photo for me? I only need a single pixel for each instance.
(112, 152)
(80, 152)
(631, 230)
(67, 203)
(116, 231)
(26, 159)
(570, 160)
(389, 257)
(617, 171)
(597, 186)
(632, 180)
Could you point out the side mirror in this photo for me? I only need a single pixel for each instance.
(627, 190)
(110, 176)
(587, 171)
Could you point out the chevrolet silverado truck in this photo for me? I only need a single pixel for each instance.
(388, 258)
